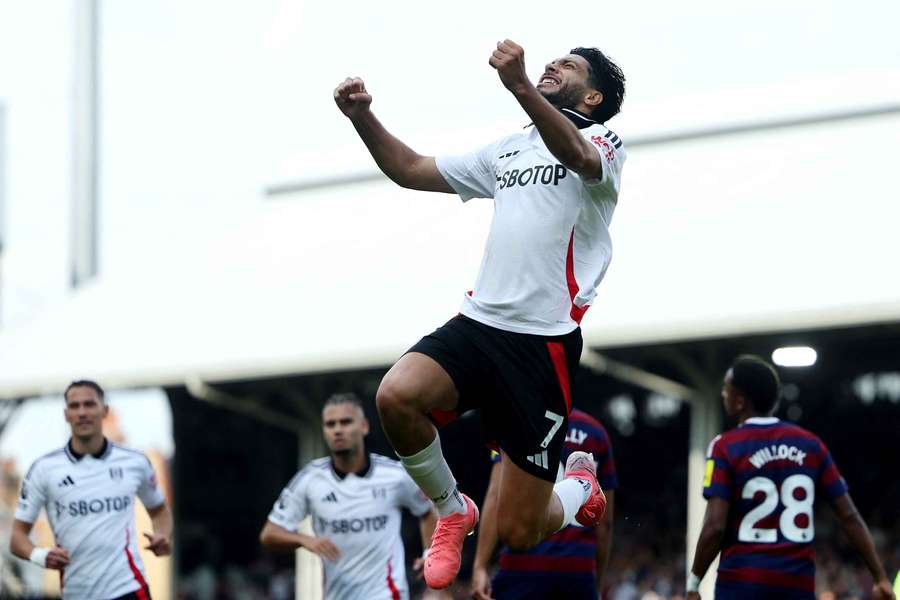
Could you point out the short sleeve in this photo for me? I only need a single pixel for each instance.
(470, 175)
(148, 490)
(612, 155)
(597, 443)
(412, 498)
(717, 480)
(829, 478)
(292, 505)
(32, 497)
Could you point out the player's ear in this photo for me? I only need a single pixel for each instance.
(365, 426)
(593, 98)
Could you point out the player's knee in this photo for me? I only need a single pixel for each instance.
(393, 398)
(517, 535)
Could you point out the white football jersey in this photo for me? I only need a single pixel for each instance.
(89, 502)
(549, 244)
(360, 514)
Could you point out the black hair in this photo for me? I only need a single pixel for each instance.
(605, 76)
(758, 381)
(345, 398)
(88, 384)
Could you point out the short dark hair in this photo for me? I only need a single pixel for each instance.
(345, 398)
(88, 384)
(758, 381)
(605, 76)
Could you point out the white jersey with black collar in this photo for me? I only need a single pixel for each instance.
(360, 514)
(89, 501)
(549, 245)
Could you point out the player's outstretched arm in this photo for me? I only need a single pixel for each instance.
(710, 541)
(399, 162)
(561, 136)
(21, 546)
(855, 528)
(278, 538)
(487, 538)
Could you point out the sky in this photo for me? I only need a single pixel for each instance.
(204, 104)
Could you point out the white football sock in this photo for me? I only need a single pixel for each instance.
(572, 493)
(431, 472)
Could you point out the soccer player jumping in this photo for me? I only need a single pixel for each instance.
(513, 349)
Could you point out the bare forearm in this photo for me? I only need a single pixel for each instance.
(487, 528)
(20, 545)
(161, 520)
(559, 134)
(708, 547)
(859, 535)
(604, 542)
(426, 527)
(391, 155)
(280, 539)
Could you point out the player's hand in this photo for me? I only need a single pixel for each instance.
(158, 544)
(692, 596)
(323, 547)
(481, 584)
(882, 590)
(352, 98)
(57, 559)
(509, 60)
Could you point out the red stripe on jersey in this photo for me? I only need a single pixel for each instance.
(584, 535)
(395, 593)
(558, 357)
(577, 312)
(788, 549)
(563, 564)
(775, 431)
(141, 592)
(768, 577)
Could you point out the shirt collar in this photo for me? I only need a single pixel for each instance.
(761, 421)
(361, 473)
(100, 454)
(579, 120)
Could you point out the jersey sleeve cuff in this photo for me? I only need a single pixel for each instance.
(283, 523)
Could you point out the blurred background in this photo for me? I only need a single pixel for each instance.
(186, 218)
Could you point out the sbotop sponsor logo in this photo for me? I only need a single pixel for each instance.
(93, 506)
(538, 174)
(360, 525)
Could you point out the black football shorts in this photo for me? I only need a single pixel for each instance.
(521, 383)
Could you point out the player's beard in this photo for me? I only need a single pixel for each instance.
(564, 97)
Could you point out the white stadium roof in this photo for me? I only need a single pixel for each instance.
(776, 230)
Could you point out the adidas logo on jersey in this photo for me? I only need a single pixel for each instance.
(540, 459)
(332, 497)
(66, 482)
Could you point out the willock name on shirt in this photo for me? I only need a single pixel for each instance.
(544, 174)
(779, 452)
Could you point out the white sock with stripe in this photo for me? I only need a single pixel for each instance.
(572, 493)
(433, 476)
